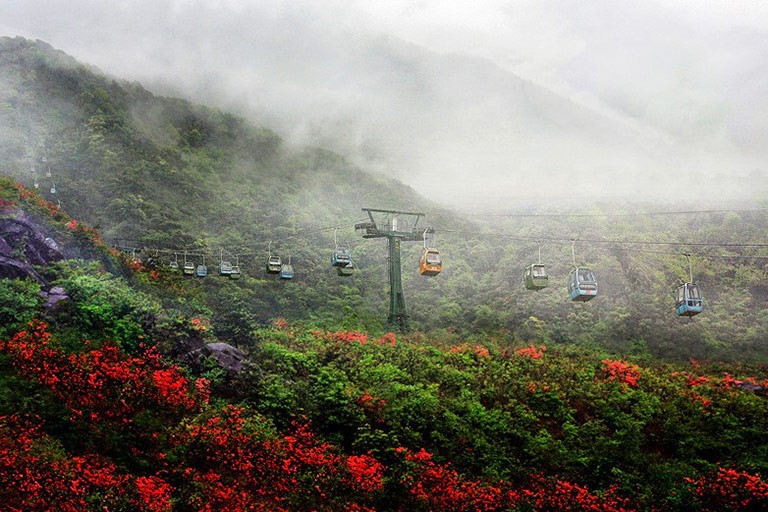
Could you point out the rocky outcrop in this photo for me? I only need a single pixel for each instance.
(230, 358)
(23, 245)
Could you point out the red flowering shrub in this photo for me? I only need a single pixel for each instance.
(347, 337)
(236, 464)
(154, 494)
(729, 489)
(531, 352)
(621, 371)
(434, 486)
(388, 339)
(104, 384)
(36, 474)
(465, 348)
(366, 473)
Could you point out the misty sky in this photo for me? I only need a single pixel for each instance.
(484, 99)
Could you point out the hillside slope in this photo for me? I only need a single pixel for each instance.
(170, 176)
(98, 411)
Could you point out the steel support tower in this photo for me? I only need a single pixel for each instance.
(396, 226)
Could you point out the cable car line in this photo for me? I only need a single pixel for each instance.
(606, 241)
(627, 214)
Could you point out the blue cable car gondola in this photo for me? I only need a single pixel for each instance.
(286, 270)
(688, 300)
(341, 257)
(582, 284)
(202, 270)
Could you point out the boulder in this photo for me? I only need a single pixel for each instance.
(229, 358)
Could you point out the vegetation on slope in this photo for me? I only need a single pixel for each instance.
(93, 417)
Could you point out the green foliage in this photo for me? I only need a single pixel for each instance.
(104, 307)
(21, 303)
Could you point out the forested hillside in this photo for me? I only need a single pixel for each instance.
(164, 175)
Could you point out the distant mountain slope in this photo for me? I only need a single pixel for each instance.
(425, 116)
(124, 158)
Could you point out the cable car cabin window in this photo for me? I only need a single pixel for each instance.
(539, 271)
(433, 258)
(586, 276)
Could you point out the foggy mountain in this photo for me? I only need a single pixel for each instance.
(422, 117)
(520, 101)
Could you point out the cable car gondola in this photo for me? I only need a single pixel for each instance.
(274, 264)
(430, 263)
(346, 270)
(286, 270)
(341, 256)
(189, 267)
(225, 266)
(174, 265)
(202, 270)
(535, 276)
(688, 300)
(582, 284)
(235, 273)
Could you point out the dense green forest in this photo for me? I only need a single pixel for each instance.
(498, 398)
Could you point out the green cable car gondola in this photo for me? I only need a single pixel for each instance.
(536, 277)
(347, 270)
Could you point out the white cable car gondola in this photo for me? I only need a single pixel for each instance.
(274, 264)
